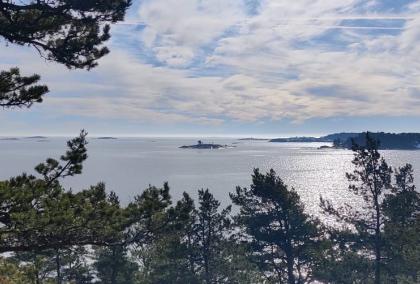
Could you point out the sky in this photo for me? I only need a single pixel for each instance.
(236, 68)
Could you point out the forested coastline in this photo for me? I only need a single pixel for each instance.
(53, 235)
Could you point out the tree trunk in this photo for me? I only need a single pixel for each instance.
(58, 266)
(206, 250)
(377, 243)
(37, 280)
(190, 256)
(290, 266)
(206, 266)
(113, 272)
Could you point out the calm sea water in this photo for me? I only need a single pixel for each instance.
(128, 165)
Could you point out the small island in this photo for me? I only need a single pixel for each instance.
(323, 147)
(36, 137)
(201, 145)
(106, 138)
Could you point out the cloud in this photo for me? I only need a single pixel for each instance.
(217, 61)
(176, 29)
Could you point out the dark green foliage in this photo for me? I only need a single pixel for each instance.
(170, 258)
(114, 266)
(327, 138)
(167, 260)
(370, 180)
(76, 154)
(405, 141)
(343, 259)
(12, 272)
(39, 266)
(402, 229)
(147, 215)
(382, 233)
(40, 217)
(74, 265)
(70, 32)
(37, 214)
(402, 205)
(211, 229)
(283, 239)
(196, 248)
(343, 267)
(18, 91)
(65, 266)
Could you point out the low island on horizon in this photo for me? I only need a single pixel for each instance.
(201, 145)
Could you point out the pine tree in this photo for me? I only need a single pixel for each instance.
(147, 215)
(38, 266)
(38, 214)
(12, 272)
(372, 181)
(170, 257)
(114, 266)
(402, 228)
(211, 229)
(20, 91)
(283, 238)
(69, 265)
(65, 31)
(195, 247)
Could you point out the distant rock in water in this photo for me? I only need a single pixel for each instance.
(9, 139)
(253, 139)
(106, 138)
(36, 137)
(201, 145)
(297, 139)
(326, 147)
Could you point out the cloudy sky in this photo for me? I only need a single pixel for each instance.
(237, 67)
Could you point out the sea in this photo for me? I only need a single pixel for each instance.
(129, 165)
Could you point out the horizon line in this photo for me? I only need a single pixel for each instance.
(194, 135)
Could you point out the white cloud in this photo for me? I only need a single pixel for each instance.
(176, 29)
(411, 36)
(286, 61)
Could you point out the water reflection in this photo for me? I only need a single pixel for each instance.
(129, 165)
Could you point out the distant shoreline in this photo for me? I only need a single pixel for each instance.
(387, 141)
